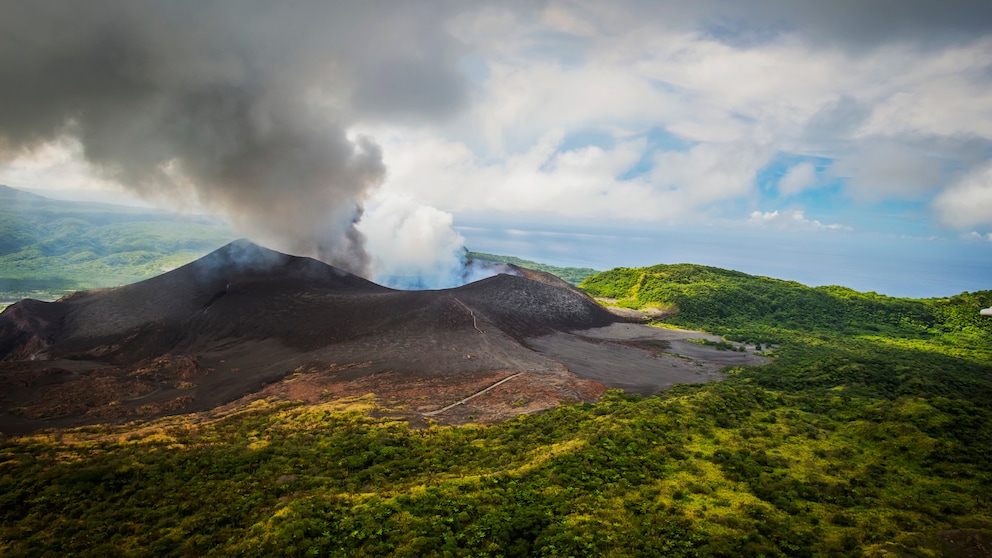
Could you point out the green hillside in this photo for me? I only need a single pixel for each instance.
(824, 336)
(725, 300)
(869, 434)
(573, 275)
(50, 247)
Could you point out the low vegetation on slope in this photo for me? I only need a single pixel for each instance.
(872, 440)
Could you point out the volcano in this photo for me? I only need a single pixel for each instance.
(246, 323)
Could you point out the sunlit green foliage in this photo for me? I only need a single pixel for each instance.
(720, 299)
(728, 469)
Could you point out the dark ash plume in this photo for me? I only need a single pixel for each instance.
(242, 106)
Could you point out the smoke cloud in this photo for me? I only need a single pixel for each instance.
(415, 247)
(240, 107)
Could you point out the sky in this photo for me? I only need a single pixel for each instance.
(845, 142)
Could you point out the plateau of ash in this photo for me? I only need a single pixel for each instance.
(245, 322)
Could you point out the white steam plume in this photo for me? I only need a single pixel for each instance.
(415, 247)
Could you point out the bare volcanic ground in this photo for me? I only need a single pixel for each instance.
(245, 323)
(640, 358)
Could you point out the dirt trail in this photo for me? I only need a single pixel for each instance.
(473, 396)
(475, 323)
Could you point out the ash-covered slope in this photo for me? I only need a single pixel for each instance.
(246, 292)
(152, 317)
(530, 306)
(244, 317)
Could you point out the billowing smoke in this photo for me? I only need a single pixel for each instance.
(416, 247)
(240, 107)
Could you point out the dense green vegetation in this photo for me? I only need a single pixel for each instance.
(769, 309)
(573, 275)
(49, 248)
(870, 439)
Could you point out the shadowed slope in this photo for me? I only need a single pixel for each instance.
(152, 317)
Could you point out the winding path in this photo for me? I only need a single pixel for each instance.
(475, 323)
(474, 395)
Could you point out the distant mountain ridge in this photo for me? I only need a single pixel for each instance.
(8, 194)
(49, 248)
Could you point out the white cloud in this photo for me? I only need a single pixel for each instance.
(523, 101)
(587, 182)
(541, 75)
(707, 173)
(968, 201)
(977, 236)
(734, 106)
(794, 219)
(559, 18)
(54, 165)
(886, 169)
(939, 92)
(647, 73)
(798, 178)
